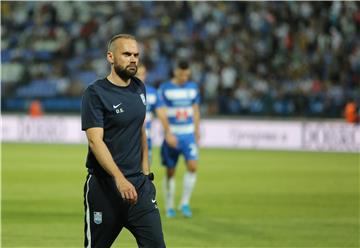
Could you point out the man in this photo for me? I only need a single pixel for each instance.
(118, 192)
(151, 107)
(350, 112)
(180, 116)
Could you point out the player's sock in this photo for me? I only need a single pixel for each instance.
(188, 186)
(169, 191)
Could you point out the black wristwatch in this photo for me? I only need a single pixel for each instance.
(151, 176)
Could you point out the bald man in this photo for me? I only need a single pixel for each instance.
(118, 191)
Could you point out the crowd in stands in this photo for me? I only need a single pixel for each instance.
(299, 59)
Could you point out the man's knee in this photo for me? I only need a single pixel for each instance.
(170, 172)
(192, 165)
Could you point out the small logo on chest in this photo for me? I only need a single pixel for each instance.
(120, 110)
(117, 109)
(115, 106)
(143, 98)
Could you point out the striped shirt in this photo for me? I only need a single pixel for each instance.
(178, 100)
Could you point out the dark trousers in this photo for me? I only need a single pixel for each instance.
(106, 213)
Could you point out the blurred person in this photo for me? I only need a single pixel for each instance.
(180, 116)
(310, 45)
(35, 109)
(351, 112)
(118, 191)
(151, 107)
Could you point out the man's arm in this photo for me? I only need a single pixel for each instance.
(145, 151)
(105, 159)
(196, 111)
(169, 137)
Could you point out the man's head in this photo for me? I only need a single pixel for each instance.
(123, 55)
(141, 73)
(182, 72)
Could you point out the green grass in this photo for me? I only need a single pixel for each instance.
(242, 199)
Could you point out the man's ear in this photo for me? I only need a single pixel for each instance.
(110, 57)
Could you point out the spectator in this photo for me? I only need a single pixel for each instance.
(351, 112)
(272, 47)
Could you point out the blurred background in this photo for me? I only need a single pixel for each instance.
(288, 59)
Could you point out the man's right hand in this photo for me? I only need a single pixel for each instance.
(127, 190)
(171, 140)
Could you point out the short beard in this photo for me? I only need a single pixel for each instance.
(124, 73)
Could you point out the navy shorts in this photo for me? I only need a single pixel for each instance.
(106, 213)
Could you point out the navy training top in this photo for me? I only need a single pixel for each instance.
(120, 111)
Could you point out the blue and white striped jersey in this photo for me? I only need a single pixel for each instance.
(178, 100)
(151, 104)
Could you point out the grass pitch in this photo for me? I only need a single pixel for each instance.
(242, 199)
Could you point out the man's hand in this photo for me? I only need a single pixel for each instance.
(127, 190)
(171, 139)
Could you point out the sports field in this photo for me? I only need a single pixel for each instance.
(242, 199)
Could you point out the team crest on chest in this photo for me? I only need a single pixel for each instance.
(143, 98)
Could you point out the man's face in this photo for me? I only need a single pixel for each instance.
(182, 75)
(125, 57)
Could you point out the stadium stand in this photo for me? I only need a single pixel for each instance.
(298, 59)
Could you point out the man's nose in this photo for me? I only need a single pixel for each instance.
(133, 58)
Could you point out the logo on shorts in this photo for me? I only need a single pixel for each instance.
(155, 203)
(98, 217)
